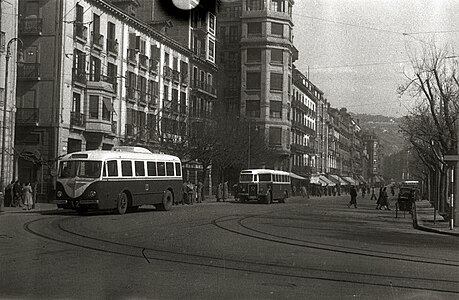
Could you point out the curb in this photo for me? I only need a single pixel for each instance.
(416, 225)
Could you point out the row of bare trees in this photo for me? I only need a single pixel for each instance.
(431, 126)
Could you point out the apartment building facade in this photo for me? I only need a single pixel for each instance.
(9, 47)
(304, 120)
(105, 78)
(263, 55)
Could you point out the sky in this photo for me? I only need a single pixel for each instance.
(357, 51)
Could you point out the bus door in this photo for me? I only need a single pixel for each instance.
(253, 188)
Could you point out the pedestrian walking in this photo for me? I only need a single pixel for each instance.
(385, 200)
(8, 198)
(17, 191)
(219, 192)
(363, 191)
(380, 201)
(225, 191)
(373, 195)
(199, 192)
(28, 199)
(184, 193)
(353, 194)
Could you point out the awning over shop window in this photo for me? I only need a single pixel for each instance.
(362, 180)
(316, 180)
(293, 175)
(338, 179)
(351, 180)
(328, 181)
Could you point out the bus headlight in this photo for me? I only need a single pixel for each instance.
(92, 194)
(59, 194)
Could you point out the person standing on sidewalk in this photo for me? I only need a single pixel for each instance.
(28, 199)
(385, 199)
(353, 193)
(219, 192)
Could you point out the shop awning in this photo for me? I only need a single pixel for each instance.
(328, 181)
(316, 180)
(338, 179)
(362, 180)
(293, 175)
(351, 180)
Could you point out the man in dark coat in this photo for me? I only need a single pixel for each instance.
(353, 194)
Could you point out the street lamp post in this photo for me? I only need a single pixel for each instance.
(5, 105)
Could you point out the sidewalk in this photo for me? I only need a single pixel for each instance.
(423, 219)
(39, 207)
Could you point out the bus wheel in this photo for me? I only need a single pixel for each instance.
(269, 198)
(167, 201)
(122, 203)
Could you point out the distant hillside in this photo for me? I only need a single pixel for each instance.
(385, 128)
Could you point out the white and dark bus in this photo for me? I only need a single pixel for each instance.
(120, 179)
(264, 185)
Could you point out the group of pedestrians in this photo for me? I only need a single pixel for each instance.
(17, 195)
(382, 201)
(191, 193)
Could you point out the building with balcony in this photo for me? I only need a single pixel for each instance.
(194, 29)
(109, 79)
(8, 36)
(304, 120)
(258, 52)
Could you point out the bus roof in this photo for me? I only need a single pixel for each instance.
(264, 171)
(119, 154)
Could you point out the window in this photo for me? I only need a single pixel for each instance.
(252, 108)
(139, 168)
(178, 169)
(277, 29)
(170, 169)
(211, 23)
(277, 5)
(254, 28)
(234, 33)
(93, 107)
(254, 5)
(276, 82)
(95, 69)
(211, 50)
(107, 108)
(126, 168)
(151, 168)
(112, 168)
(253, 80)
(253, 55)
(76, 105)
(275, 135)
(275, 109)
(161, 168)
(277, 56)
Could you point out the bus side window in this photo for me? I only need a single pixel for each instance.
(126, 168)
(255, 178)
(170, 169)
(104, 172)
(161, 169)
(178, 169)
(112, 168)
(151, 168)
(139, 168)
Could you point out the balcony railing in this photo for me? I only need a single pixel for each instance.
(97, 40)
(131, 94)
(79, 75)
(32, 26)
(28, 71)
(175, 76)
(112, 46)
(27, 115)
(80, 32)
(167, 73)
(202, 85)
(77, 119)
(143, 61)
(132, 56)
(153, 65)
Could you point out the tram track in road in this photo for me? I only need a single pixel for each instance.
(54, 230)
(263, 235)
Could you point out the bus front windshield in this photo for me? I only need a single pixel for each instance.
(265, 177)
(80, 168)
(246, 178)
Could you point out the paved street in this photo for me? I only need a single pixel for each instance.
(303, 249)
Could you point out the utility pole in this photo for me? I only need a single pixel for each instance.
(5, 107)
